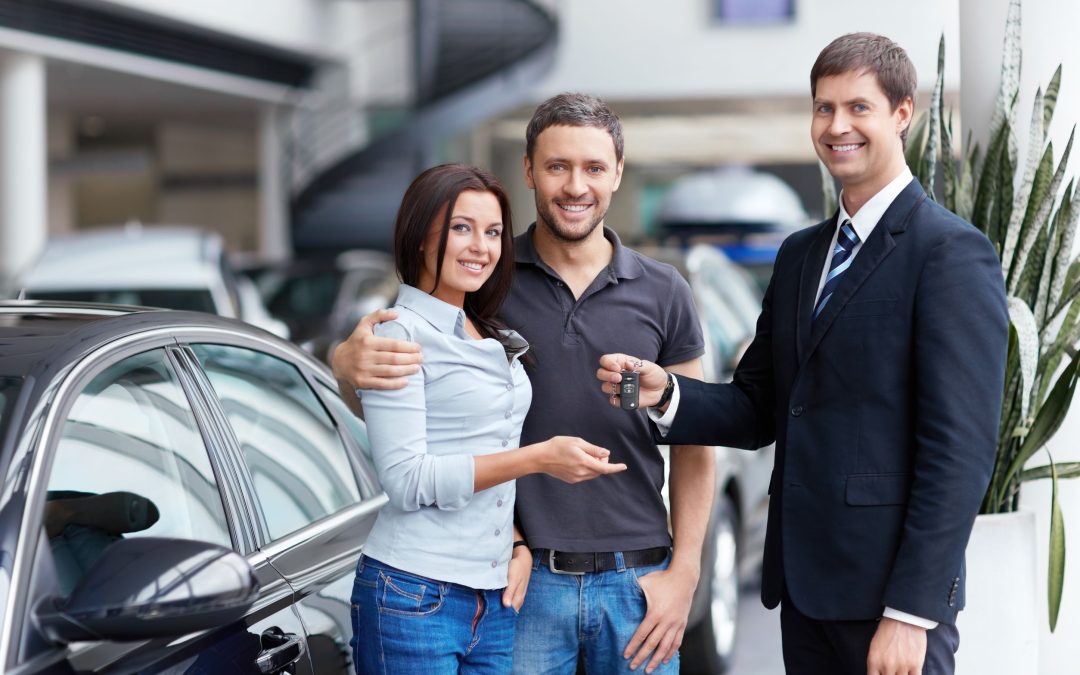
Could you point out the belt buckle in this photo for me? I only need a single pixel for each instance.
(555, 570)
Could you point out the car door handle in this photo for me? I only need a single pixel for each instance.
(280, 650)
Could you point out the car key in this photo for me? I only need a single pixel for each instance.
(628, 390)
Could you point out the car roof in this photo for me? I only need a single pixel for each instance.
(129, 257)
(732, 195)
(42, 337)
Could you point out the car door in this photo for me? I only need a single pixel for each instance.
(129, 457)
(315, 489)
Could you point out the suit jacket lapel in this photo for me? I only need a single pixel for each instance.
(877, 246)
(813, 264)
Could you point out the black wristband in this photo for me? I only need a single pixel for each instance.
(669, 389)
(519, 542)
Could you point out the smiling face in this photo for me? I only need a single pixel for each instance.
(856, 132)
(473, 247)
(573, 173)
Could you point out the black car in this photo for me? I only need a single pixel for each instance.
(181, 493)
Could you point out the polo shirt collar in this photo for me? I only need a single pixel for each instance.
(443, 316)
(623, 262)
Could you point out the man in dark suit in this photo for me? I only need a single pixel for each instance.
(878, 369)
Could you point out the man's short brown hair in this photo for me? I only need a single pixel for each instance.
(574, 110)
(872, 53)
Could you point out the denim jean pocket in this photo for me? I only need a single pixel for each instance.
(637, 572)
(404, 595)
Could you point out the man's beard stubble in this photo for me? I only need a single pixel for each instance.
(546, 217)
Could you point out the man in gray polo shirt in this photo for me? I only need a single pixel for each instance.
(604, 584)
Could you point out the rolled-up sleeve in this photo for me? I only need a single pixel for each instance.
(397, 429)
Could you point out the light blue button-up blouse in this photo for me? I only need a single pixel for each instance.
(468, 399)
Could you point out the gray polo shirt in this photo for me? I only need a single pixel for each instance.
(636, 306)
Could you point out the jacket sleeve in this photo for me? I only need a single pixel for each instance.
(397, 429)
(739, 414)
(960, 342)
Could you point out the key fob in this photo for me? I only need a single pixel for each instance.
(628, 391)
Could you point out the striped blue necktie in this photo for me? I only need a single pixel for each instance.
(841, 260)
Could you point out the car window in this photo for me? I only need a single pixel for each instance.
(299, 463)
(357, 430)
(9, 387)
(130, 462)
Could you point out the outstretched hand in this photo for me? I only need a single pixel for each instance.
(572, 459)
(365, 361)
(651, 384)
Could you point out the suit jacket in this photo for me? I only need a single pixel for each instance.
(884, 410)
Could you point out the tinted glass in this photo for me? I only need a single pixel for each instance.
(130, 462)
(9, 388)
(307, 296)
(297, 459)
(194, 299)
(357, 430)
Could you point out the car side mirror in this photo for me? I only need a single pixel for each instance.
(152, 587)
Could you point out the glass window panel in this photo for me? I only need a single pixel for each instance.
(130, 462)
(297, 460)
(754, 11)
(357, 430)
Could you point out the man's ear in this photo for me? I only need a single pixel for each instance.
(618, 174)
(904, 112)
(527, 163)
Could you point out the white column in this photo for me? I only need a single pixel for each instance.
(23, 219)
(1047, 39)
(273, 224)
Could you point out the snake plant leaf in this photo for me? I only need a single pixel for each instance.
(916, 143)
(1027, 341)
(1010, 72)
(1022, 200)
(965, 197)
(928, 168)
(1048, 419)
(951, 188)
(1042, 202)
(1056, 573)
(1064, 470)
(1058, 254)
(1010, 414)
(990, 188)
(828, 190)
(1050, 97)
(1069, 305)
(1029, 287)
(1001, 213)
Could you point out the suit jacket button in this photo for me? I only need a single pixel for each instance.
(796, 410)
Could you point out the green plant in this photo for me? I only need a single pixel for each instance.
(1032, 223)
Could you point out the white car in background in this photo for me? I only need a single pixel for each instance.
(171, 267)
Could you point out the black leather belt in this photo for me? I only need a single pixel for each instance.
(564, 562)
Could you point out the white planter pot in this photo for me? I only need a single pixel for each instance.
(999, 629)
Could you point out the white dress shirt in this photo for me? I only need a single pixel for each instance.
(864, 222)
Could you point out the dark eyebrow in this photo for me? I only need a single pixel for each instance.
(561, 160)
(460, 216)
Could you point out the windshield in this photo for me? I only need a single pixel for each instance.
(193, 299)
(9, 389)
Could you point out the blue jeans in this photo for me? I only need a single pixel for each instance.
(595, 614)
(406, 623)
